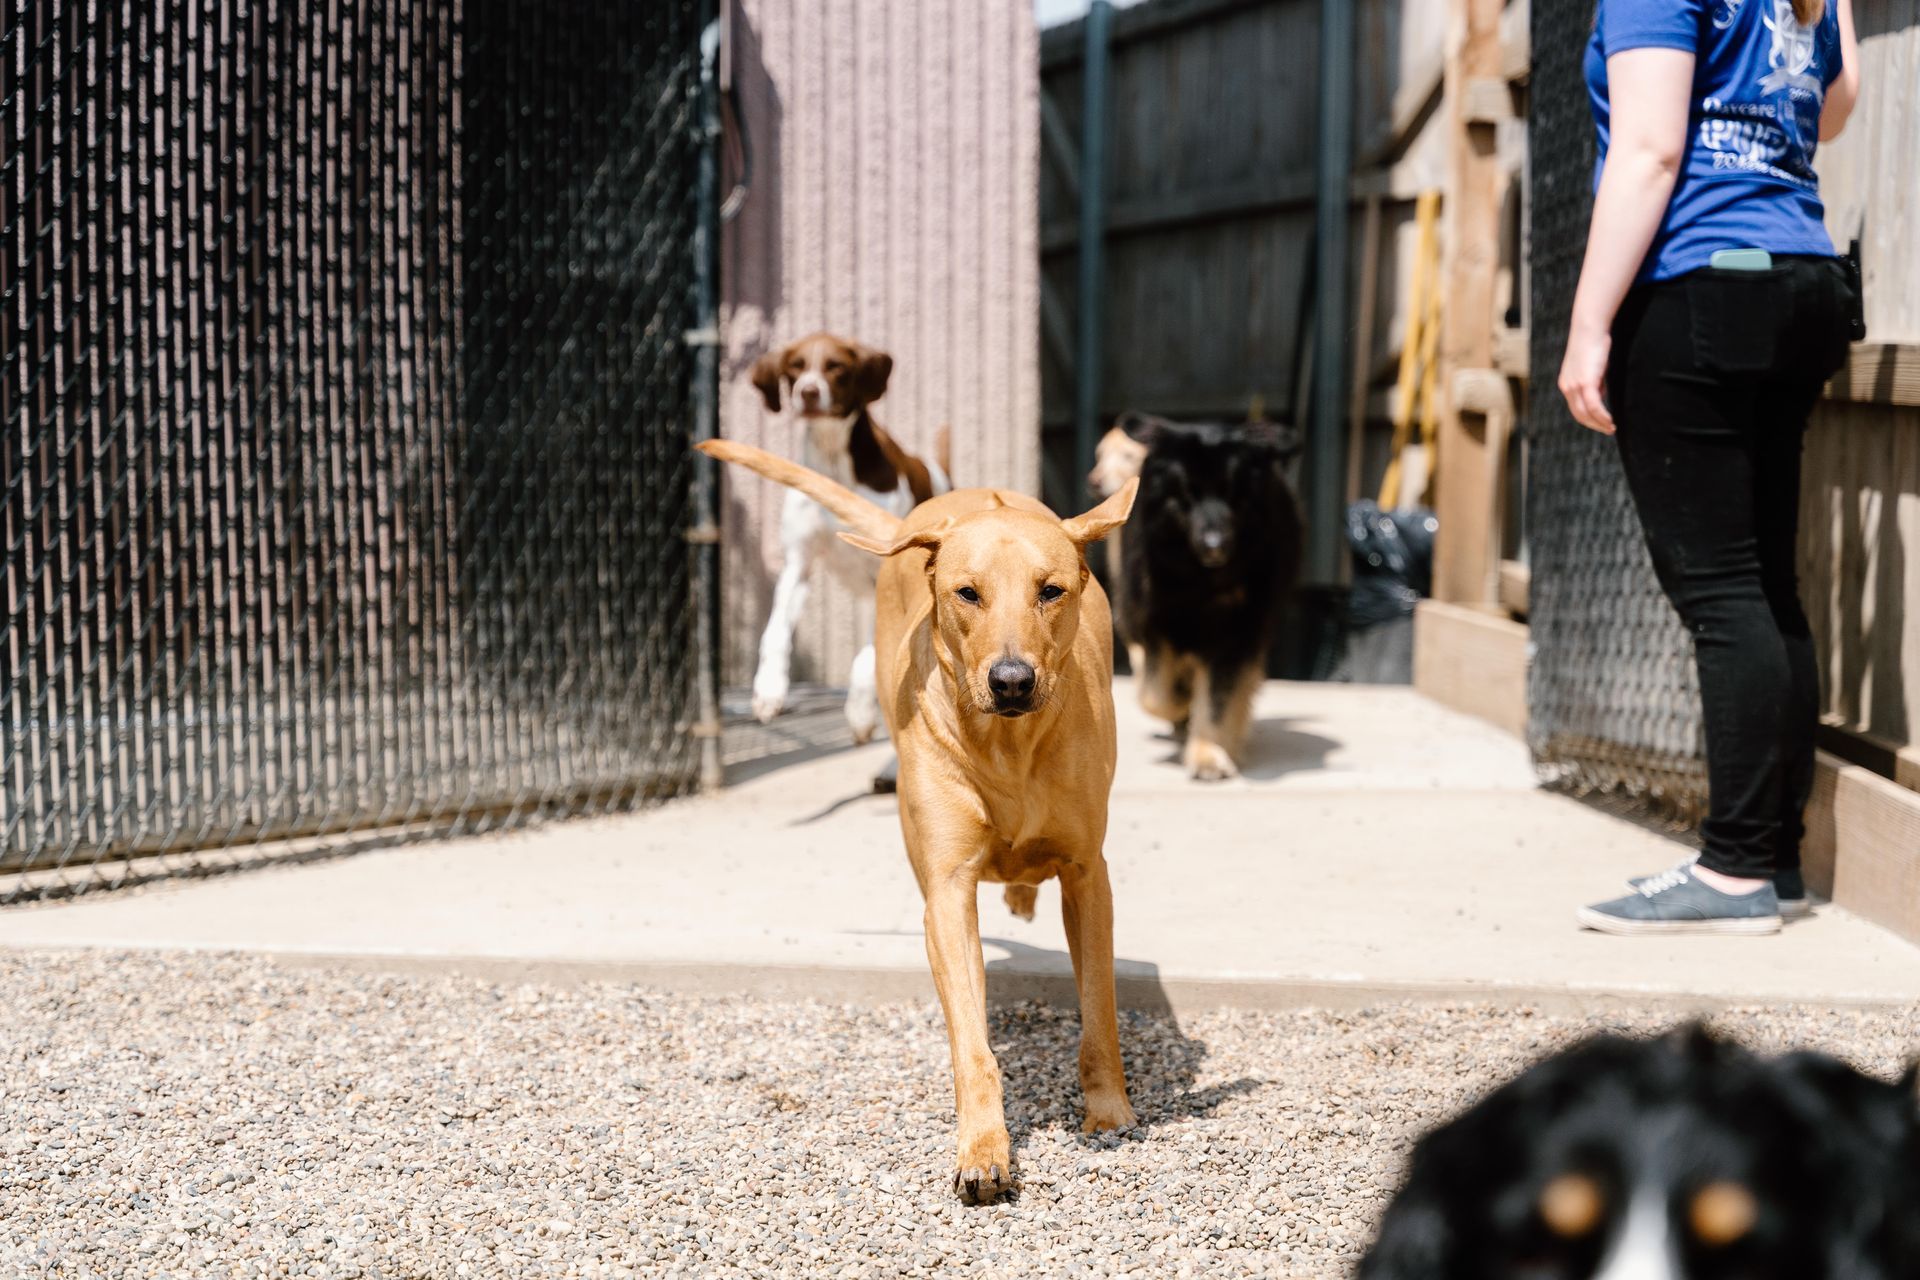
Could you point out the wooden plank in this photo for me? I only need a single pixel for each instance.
(1466, 548)
(1056, 325)
(1880, 373)
(1868, 181)
(1488, 100)
(1512, 352)
(1472, 661)
(1516, 42)
(1061, 147)
(1398, 184)
(1895, 761)
(1413, 104)
(1863, 845)
(1516, 587)
(1489, 393)
(1274, 193)
(1483, 391)
(1860, 519)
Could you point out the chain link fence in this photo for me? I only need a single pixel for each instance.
(1613, 700)
(346, 384)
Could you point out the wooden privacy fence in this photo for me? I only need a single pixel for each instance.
(1860, 498)
(1200, 183)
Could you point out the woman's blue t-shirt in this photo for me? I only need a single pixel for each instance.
(1759, 81)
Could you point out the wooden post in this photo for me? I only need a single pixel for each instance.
(1465, 498)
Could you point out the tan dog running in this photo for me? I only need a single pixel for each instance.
(995, 662)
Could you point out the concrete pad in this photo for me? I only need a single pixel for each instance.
(1378, 846)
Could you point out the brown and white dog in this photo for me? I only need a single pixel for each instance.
(1116, 461)
(826, 384)
(996, 665)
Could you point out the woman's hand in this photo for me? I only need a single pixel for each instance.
(1583, 377)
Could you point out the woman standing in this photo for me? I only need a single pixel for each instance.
(1711, 311)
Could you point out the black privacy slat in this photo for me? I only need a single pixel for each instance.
(1613, 701)
(344, 480)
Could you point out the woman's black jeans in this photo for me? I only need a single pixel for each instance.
(1713, 375)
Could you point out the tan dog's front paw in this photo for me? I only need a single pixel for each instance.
(1109, 1112)
(1209, 761)
(986, 1169)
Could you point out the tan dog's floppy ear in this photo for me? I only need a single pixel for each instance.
(1105, 518)
(872, 369)
(928, 538)
(766, 375)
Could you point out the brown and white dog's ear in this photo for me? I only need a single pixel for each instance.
(871, 370)
(1091, 526)
(930, 539)
(767, 374)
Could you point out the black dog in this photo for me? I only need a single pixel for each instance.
(1668, 1159)
(1211, 553)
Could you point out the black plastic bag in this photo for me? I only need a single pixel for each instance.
(1392, 561)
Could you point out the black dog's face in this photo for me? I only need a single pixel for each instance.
(1662, 1160)
(1215, 484)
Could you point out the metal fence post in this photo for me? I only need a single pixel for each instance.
(423, 572)
(705, 344)
(1090, 305)
(1326, 454)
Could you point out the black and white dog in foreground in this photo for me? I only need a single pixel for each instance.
(1683, 1158)
(1210, 557)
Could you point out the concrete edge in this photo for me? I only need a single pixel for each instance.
(1149, 993)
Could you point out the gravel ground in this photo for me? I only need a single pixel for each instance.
(220, 1116)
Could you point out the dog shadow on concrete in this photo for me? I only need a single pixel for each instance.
(813, 726)
(1034, 1024)
(1275, 748)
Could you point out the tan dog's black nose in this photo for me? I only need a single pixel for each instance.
(1011, 681)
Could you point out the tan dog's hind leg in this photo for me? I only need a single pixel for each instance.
(985, 1166)
(1022, 898)
(1086, 906)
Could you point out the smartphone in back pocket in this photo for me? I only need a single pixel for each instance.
(1741, 260)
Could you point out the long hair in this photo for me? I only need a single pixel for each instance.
(1809, 11)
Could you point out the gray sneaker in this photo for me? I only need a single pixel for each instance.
(1678, 902)
(1788, 886)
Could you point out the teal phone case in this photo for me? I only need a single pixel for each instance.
(1742, 260)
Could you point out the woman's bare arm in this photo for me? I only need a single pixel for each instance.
(1844, 93)
(1650, 91)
